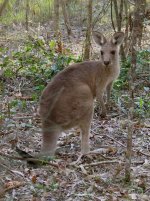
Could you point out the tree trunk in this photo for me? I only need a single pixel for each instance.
(126, 42)
(120, 15)
(116, 12)
(3, 6)
(112, 20)
(87, 49)
(27, 15)
(136, 33)
(56, 16)
(118, 8)
(139, 18)
(66, 17)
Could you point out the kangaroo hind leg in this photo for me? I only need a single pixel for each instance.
(49, 139)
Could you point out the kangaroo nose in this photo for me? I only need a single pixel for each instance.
(106, 63)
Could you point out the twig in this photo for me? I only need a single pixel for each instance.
(102, 163)
(99, 152)
(110, 138)
(143, 75)
(145, 154)
(116, 141)
(25, 117)
(77, 161)
(5, 167)
(39, 161)
(137, 162)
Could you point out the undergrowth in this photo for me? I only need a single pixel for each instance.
(141, 95)
(38, 62)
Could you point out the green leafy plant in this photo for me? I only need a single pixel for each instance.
(142, 104)
(36, 60)
(16, 105)
(142, 61)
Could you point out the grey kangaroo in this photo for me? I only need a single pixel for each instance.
(68, 99)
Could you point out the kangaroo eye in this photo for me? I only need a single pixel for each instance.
(112, 52)
(102, 52)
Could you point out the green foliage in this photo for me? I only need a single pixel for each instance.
(16, 105)
(43, 187)
(1, 87)
(39, 10)
(143, 62)
(35, 60)
(1, 117)
(142, 102)
(143, 59)
(54, 186)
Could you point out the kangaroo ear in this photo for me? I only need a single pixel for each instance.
(99, 38)
(117, 38)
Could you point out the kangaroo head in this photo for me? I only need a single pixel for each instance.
(109, 48)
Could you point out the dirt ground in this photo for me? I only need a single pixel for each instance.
(99, 176)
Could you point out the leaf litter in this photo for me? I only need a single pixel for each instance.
(98, 176)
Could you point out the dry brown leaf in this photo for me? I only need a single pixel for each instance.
(34, 179)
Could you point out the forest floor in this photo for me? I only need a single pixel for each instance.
(99, 176)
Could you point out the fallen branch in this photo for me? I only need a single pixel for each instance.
(116, 141)
(112, 162)
(6, 168)
(25, 117)
(34, 161)
(145, 154)
(110, 138)
(100, 152)
(102, 163)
